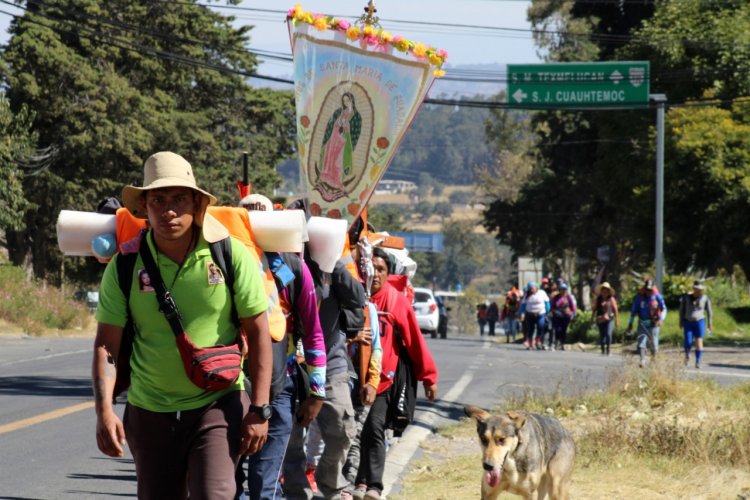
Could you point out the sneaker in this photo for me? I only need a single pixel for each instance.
(687, 360)
(359, 492)
(310, 473)
(697, 366)
(346, 495)
(372, 494)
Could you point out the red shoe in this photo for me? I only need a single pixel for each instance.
(310, 473)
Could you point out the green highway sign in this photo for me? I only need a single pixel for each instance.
(595, 84)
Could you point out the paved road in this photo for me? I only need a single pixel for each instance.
(47, 446)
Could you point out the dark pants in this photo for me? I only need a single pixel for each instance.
(559, 330)
(372, 461)
(264, 468)
(194, 450)
(492, 327)
(605, 335)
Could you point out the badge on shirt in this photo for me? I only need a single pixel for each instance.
(214, 274)
(144, 281)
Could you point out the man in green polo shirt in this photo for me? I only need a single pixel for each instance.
(182, 438)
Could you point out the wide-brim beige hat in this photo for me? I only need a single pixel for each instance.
(163, 170)
(606, 285)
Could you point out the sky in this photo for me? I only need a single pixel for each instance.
(464, 45)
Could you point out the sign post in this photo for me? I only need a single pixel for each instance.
(660, 100)
(591, 84)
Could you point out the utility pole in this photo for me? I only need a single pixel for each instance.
(660, 101)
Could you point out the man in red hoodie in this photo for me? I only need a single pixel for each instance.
(398, 328)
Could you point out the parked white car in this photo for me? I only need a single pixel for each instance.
(426, 309)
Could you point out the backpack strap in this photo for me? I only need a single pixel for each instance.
(125, 265)
(221, 252)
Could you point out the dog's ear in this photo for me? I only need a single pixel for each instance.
(476, 413)
(518, 419)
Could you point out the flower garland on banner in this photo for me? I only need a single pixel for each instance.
(369, 35)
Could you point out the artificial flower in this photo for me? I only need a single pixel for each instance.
(442, 54)
(320, 23)
(419, 49)
(386, 37)
(438, 72)
(435, 60)
(401, 43)
(352, 33)
(343, 24)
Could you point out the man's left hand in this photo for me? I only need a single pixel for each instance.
(308, 410)
(430, 391)
(254, 434)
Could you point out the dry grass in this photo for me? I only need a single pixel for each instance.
(650, 435)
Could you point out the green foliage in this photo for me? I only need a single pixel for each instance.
(465, 314)
(35, 306)
(452, 159)
(108, 89)
(592, 181)
(16, 142)
(385, 217)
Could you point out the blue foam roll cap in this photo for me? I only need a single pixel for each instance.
(104, 246)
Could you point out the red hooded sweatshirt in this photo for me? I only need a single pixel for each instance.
(401, 315)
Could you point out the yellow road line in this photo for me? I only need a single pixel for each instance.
(26, 422)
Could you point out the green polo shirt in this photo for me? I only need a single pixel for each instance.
(158, 380)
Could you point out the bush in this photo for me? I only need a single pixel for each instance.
(35, 306)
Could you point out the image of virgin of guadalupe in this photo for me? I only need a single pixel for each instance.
(340, 138)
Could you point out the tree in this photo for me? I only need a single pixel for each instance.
(16, 144)
(113, 82)
(385, 218)
(592, 181)
(443, 209)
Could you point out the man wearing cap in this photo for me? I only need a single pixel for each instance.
(649, 307)
(185, 440)
(696, 318)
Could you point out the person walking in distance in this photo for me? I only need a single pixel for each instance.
(493, 314)
(605, 314)
(563, 312)
(186, 440)
(534, 308)
(509, 315)
(696, 318)
(650, 309)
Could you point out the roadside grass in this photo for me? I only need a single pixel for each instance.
(650, 434)
(37, 308)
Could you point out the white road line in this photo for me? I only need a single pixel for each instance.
(722, 374)
(48, 356)
(400, 454)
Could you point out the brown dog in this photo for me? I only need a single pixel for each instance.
(527, 454)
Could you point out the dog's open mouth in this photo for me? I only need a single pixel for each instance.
(492, 477)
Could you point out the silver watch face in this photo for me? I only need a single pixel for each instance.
(266, 412)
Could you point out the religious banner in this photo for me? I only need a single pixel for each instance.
(357, 90)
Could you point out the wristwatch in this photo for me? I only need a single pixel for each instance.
(265, 411)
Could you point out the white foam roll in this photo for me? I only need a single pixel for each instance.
(75, 230)
(280, 230)
(327, 237)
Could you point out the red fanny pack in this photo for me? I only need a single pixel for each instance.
(211, 368)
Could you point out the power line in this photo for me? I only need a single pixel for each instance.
(138, 48)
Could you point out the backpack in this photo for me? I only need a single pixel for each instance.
(221, 252)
